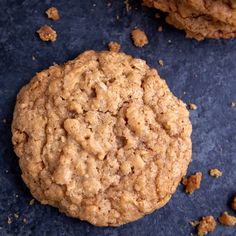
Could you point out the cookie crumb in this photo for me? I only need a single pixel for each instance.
(160, 29)
(215, 173)
(206, 224)
(194, 223)
(127, 5)
(4, 121)
(114, 46)
(16, 215)
(139, 38)
(233, 204)
(192, 106)
(193, 182)
(9, 220)
(157, 16)
(33, 58)
(161, 62)
(117, 17)
(53, 13)
(46, 33)
(233, 104)
(31, 202)
(25, 220)
(226, 219)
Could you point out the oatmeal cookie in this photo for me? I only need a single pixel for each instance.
(102, 138)
(200, 19)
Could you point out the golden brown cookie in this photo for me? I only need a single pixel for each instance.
(198, 20)
(102, 138)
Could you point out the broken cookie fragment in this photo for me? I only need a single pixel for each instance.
(193, 182)
(114, 46)
(139, 38)
(205, 225)
(53, 13)
(46, 33)
(226, 219)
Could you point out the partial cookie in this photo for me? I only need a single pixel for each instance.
(102, 138)
(224, 11)
(202, 27)
(197, 24)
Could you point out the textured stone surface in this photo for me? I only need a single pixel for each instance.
(202, 73)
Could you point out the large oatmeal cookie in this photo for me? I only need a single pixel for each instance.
(102, 138)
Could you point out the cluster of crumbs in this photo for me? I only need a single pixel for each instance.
(46, 33)
(193, 182)
(139, 38)
(205, 225)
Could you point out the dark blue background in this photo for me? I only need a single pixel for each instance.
(203, 73)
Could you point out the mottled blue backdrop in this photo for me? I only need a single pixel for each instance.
(202, 73)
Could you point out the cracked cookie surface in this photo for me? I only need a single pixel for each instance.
(200, 19)
(102, 138)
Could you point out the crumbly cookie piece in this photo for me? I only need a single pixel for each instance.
(186, 16)
(226, 219)
(215, 173)
(193, 182)
(139, 37)
(46, 33)
(114, 46)
(233, 204)
(53, 13)
(102, 138)
(205, 225)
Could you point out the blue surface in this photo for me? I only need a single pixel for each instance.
(202, 73)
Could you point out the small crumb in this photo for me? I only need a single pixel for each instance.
(25, 220)
(6, 171)
(194, 223)
(157, 16)
(160, 29)
(53, 13)
(46, 33)
(16, 195)
(31, 202)
(109, 4)
(9, 220)
(16, 215)
(192, 106)
(169, 41)
(193, 182)
(233, 104)
(94, 5)
(33, 58)
(207, 224)
(215, 173)
(161, 62)
(233, 204)
(139, 37)
(127, 5)
(117, 17)
(226, 219)
(4, 121)
(114, 46)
